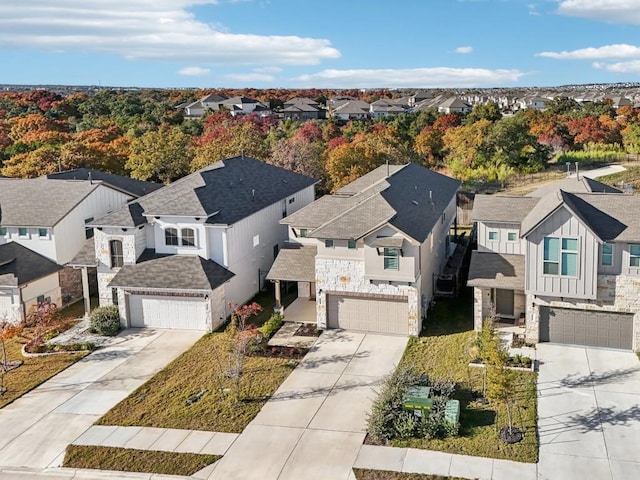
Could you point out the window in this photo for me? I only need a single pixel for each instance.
(391, 260)
(256, 240)
(188, 237)
(88, 232)
(40, 299)
(512, 236)
(3, 231)
(43, 233)
(283, 206)
(328, 243)
(303, 232)
(276, 249)
(351, 244)
(493, 235)
(23, 232)
(606, 255)
(171, 236)
(634, 255)
(560, 256)
(444, 215)
(114, 296)
(117, 258)
(291, 200)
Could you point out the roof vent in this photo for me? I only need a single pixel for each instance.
(415, 202)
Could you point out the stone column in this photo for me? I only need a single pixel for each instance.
(86, 294)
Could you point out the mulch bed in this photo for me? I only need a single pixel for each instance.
(308, 330)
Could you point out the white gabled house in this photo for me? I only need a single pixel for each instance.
(365, 258)
(177, 258)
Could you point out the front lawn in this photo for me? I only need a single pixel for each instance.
(34, 370)
(442, 351)
(162, 401)
(362, 474)
(131, 460)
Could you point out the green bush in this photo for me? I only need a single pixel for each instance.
(271, 326)
(105, 320)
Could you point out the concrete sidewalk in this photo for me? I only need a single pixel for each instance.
(37, 427)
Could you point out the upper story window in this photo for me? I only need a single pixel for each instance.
(303, 232)
(3, 231)
(391, 258)
(23, 232)
(351, 244)
(117, 256)
(560, 256)
(291, 200)
(634, 255)
(606, 254)
(188, 237)
(328, 243)
(171, 236)
(493, 235)
(43, 233)
(88, 231)
(512, 236)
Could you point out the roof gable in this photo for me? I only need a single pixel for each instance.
(24, 264)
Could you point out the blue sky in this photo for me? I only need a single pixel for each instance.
(319, 43)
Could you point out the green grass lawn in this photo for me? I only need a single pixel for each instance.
(76, 309)
(34, 370)
(362, 474)
(442, 351)
(130, 460)
(630, 176)
(161, 402)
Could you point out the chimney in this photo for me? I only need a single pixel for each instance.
(577, 172)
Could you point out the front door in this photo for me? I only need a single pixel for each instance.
(504, 302)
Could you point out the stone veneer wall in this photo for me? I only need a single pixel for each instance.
(616, 293)
(105, 273)
(345, 276)
(483, 308)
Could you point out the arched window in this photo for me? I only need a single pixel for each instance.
(115, 249)
(188, 237)
(171, 236)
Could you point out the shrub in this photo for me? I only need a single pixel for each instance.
(105, 320)
(271, 326)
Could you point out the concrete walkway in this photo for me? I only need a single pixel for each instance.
(159, 439)
(603, 171)
(314, 425)
(589, 413)
(36, 428)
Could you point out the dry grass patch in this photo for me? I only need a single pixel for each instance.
(131, 460)
(363, 474)
(162, 401)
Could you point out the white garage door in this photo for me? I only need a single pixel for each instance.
(368, 314)
(183, 313)
(6, 308)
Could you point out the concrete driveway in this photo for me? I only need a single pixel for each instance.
(36, 428)
(589, 413)
(314, 425)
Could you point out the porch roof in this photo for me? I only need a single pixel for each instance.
(295, 263)
(494, 270)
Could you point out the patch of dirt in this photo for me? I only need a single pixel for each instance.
(308, 330)
(510, 437)
(292, 353)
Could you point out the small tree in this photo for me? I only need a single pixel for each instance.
(41, 316)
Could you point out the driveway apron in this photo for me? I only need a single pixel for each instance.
(314, 425)
(589, 413)
(37, 427)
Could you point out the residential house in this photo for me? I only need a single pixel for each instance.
(48, 216)
(365, 257)
(235, 105)
(561, 265)
(198, 108)
(177, 258)
(352, 110)
(454, 105)
(384, 108)
(301, 108)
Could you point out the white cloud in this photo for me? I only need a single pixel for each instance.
(414, 77)
(148, 29)
(250, 77)
(267, 70)
(620, 67)
(621, 50)
(194, 71)
(613, 11)
(464, 50)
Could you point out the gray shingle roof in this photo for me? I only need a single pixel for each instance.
(295, 263)
(40, 202)
(574, 184)
(86, 257)
(225, 192)
(136, 188)
(411, 199)
(502, 209)
(495, 270)
(24, 264)
(173, 272)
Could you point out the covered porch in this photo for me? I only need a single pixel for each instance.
(498, 282)
(296, 263)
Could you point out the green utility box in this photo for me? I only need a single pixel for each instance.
(452, 411)
(417, 399)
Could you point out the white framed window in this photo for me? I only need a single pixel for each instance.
(493, 235)
(606, 254)
(328, 243)
(512, 236)
(303, 232)
(634, 255)
(351, 244)
(560, 256)
(3, 232)
(88, 231)
(171, 236)
(23, 232)
(188, 237)
(43, 233)
(116, 253)
(256, 240)
(391, 258)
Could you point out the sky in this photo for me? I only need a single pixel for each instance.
(319, 43)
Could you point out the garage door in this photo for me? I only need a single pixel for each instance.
(182, 313)
(368, 314)
(6, 307)
(585, 327)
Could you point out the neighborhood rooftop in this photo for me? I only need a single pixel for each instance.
(223, 193)
(494, 270)
(23, 264)
(137, 188)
